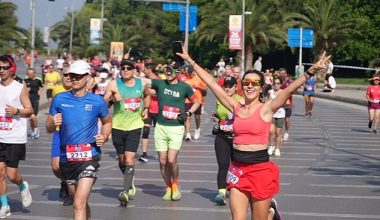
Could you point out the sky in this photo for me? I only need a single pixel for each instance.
(47, 12)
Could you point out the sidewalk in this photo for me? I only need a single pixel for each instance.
(354, 94)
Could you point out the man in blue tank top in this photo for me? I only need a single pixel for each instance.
(75, 114)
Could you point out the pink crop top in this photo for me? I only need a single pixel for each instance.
(251, 130)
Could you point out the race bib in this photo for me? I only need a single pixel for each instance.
(78, 152)
(234, 174)
(132, 104)
(6, 123)
(226, 125)
(170, 113)
(376, 101)
(309, 87)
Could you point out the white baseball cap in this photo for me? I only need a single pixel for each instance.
(80, 67)
(103, 75)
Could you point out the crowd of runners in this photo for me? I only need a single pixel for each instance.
(93, 101)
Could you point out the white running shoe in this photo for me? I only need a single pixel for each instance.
(286, 136)
(5, 211)
(188, 137)
(277, 152)
(37, 134)
(271, 149)
(197, 133)
(26, 197)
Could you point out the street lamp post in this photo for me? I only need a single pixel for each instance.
(72, 26)
(243, 37)
(101, 20)
(33, 5)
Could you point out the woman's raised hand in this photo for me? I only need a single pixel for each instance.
(321, 64)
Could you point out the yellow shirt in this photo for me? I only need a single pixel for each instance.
(51, 79)
(58, 89)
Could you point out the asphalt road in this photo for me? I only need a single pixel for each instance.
(329, 170)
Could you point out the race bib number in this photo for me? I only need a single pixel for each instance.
(78, 152)
(170, 113)
(132, 104)
(233, 175)
(309, 87)
(6, 123)
(376, 101)
(226, 125)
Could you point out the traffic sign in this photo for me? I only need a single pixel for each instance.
(173, 7)
(294, 35)
(192, 19)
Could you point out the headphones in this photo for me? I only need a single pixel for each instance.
(11, 63)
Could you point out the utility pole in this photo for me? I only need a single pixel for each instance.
(101, 20)
(72, 26)
(33, 6)
(243, 37)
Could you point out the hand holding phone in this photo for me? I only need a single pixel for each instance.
(177, 48)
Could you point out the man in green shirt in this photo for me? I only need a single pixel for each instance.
(169, 131)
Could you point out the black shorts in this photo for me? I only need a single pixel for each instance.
(11, 154)
(152, 119)
(35, 104)
(126, 140)
(73, 171)
(288, 112)
(197, 112)
(49, 93)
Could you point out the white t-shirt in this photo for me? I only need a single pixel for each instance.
(257, 66)
(330, 68)
(59, 63)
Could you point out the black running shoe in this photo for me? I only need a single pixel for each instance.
(370, 124)
(68, 201)
(143, 158)
(277, 215)
(63, 192)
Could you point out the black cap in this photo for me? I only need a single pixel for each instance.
(229, 81)
(126, 62)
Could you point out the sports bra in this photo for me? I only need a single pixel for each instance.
(251, 130)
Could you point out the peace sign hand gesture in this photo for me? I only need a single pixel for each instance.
(320, 65)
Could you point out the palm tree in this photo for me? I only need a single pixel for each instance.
(264, 28)
(332, 24)
(8, 26)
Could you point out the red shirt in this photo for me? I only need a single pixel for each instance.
(373, 92)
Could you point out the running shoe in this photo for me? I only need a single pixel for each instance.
(197, 133)
(168, 194)
(68, 201)
(271, 149)
(143, 158)
(188, 137)
(132, 190)
(123, 198)
(310, 115)
(63, 191)
(374, 131)
(286, 136)
(370, 124)
(220, 199)
(37, 134)
(26, 197)
(277, 153)
(176, 194)
(274, 206)
(5, 211)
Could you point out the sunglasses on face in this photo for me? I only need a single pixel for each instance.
(126, 68)
(229, 86)
(246, 82)
(276, 83)
(5, 67)
(66, 75)
(170, 71)
(76, 77)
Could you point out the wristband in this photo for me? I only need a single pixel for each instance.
(309, 73)
(307, 76)
(145, 108)
(192, 65)
(17, 111)
(188, 113)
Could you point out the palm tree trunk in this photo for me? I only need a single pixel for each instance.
(249, 57)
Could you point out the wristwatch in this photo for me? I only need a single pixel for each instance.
(17, 111)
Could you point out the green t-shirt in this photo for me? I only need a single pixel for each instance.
(171, 100)
(127, 112)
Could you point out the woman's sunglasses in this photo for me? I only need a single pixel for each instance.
(246, 82)
(126, 68)
(76, 77)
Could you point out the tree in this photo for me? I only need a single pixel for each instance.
(264, 28)
(10, 32)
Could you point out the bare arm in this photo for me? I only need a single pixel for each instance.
(220, 94)
(281, 98)
(25, 101)
(147, 100)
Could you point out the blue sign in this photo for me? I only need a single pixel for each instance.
(294, 37)
(192, 19)
(173, 7)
